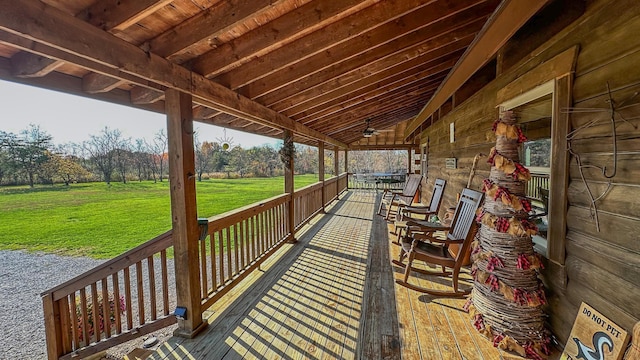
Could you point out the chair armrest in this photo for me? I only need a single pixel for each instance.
(427, 225)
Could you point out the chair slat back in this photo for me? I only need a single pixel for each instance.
(412, 185)
(465, 214)
(436, 195)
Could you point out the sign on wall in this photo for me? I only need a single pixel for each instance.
(594, 337)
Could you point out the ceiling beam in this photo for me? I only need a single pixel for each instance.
(34, 20)
(285, 67)
(510, 16)
(338, 75)
(205, 27)
(281, 31)
(117, 15)
(26, 65)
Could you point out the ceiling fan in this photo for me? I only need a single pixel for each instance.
(369, 131)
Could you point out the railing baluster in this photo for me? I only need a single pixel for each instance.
(127, 292)
(254, 239)
(85, 316)
(212, 259)
(105, 309)
(140, 291)
(228, 253)
(116, 298)
(221, 256)
(96, 318)
(165, 282)
(152, 287)
(75, 326)
(243, 242)
(235, 249)
(203, 269)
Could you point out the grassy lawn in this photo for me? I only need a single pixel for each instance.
(102, 222)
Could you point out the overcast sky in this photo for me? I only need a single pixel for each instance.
(70, 118)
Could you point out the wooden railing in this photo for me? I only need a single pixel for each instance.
(74, 312)
(538, 180)
(307, 202)
(237, 242)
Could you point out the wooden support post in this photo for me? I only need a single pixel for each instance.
(321, 171)
(346, 165)
(184, 216)
(409, 161)
(336, 169)
(289, 188)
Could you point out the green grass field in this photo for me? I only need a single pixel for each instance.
(103, 221)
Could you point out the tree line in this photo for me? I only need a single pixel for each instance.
(30, 157)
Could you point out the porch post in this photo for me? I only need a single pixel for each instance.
(336, 168)
(184, 216)
(409, 161)
(346, 165)
(289, 188)
(321, 170)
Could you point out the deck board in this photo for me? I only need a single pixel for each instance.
(333, 296)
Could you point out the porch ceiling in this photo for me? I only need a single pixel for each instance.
(319, 68)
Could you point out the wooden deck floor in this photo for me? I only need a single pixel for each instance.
(333, 296)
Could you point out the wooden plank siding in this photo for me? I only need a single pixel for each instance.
(601, 268)
(333, 296)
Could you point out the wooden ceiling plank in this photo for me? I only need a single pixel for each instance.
(37, 21)
(319, 41)
(406, 93)
(384, 77)
(380, 88)
(117, 15)
(510, 16)
(285, 67)
(28, 65)
(276, 34)
(341, 74)
(114, 16)
(380, 114)
(391, 117)
(207, 26)
(371, 106)
(107, 14)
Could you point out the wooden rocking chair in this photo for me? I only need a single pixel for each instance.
(461, 231)
(415, 212)
(405, 197)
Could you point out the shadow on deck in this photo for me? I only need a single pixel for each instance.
(332, 296)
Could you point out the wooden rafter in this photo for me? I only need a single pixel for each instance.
(53, 28)
(506, 20)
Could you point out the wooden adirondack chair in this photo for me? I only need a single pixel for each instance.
(434, 251)
(405, 197)
(413, 212)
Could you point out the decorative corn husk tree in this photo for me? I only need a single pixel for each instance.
(507, 298)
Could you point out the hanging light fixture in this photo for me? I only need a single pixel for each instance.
(368, 130)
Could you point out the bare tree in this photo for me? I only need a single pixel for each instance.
(102, 151)
(159, 149)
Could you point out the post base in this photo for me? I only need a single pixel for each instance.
(183, 333)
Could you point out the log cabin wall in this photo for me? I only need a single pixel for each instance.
(601, 268)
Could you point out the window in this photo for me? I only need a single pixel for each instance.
(533, 110)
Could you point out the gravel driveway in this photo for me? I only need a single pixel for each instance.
(23, 276)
